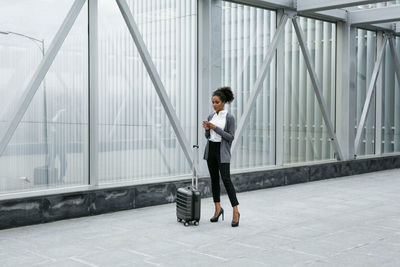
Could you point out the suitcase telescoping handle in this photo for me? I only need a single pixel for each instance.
(195, 166)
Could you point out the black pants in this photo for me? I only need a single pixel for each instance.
(215, 167)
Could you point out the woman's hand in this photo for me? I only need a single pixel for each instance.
(212, 126)
(206, 125)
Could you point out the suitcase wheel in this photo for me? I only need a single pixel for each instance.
(186, 224)
(196, 223)
(179, 219)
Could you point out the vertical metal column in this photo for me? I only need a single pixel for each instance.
(93, 131)
(379, 100)
(280, 96)
(209, 60)
(346, 88)
(203, 71)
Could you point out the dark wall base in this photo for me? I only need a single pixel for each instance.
(33, 210)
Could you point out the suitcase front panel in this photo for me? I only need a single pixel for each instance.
(188, 204)
(184, 204)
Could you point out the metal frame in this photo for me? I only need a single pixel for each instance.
(93, 131)
(209, 65)
(379, 99)
(375, 15)
(370, 92)
(319, 5)
(317, 87)
(204, 33)
(156, 80)
(255, 91)
(40, 73)
(280, 98)
(346, 87)
(329, 10)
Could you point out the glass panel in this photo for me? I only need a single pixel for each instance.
(366, 54)
(49, 147)
(391, 107)
(26, 28)
(306, 136)
(136, 138)
(246, 35)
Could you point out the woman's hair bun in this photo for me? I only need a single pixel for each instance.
(225, 94)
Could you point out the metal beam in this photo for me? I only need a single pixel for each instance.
(40, 73)
(375, 15)
(379, 98)
(156, 80)
(388, 26)
(93, 131)
(332, 15)
(271, 4)
(346, 88)
(280, 99)
(256, 89)
(204, 35)
(317, 88)
(369, 95)
(318, 5)
(395, 59)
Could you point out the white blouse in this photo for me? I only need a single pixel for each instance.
(218, 120)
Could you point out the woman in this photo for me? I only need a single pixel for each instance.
(220, 130)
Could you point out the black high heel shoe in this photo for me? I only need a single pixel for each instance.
(236, 224)
(215, 219)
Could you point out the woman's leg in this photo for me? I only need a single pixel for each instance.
(226, 179)
(212, 164)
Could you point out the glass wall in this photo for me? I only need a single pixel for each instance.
(306, 136)
(246, 35)
(136, 138)
(366, 55)
(49, 146)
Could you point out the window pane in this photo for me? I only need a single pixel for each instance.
(391, 106)
(246, 35)
(49, 146)
(306, 136)
(136, 138)
(366, 54)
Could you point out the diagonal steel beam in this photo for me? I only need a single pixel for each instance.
(255, 91)
(41, 71)
(395, 59)
(317, 87)
(370, 92)
(156, 80)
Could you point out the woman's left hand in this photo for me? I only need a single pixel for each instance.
(212, 126)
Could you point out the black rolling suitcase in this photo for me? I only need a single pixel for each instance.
(188, 200)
